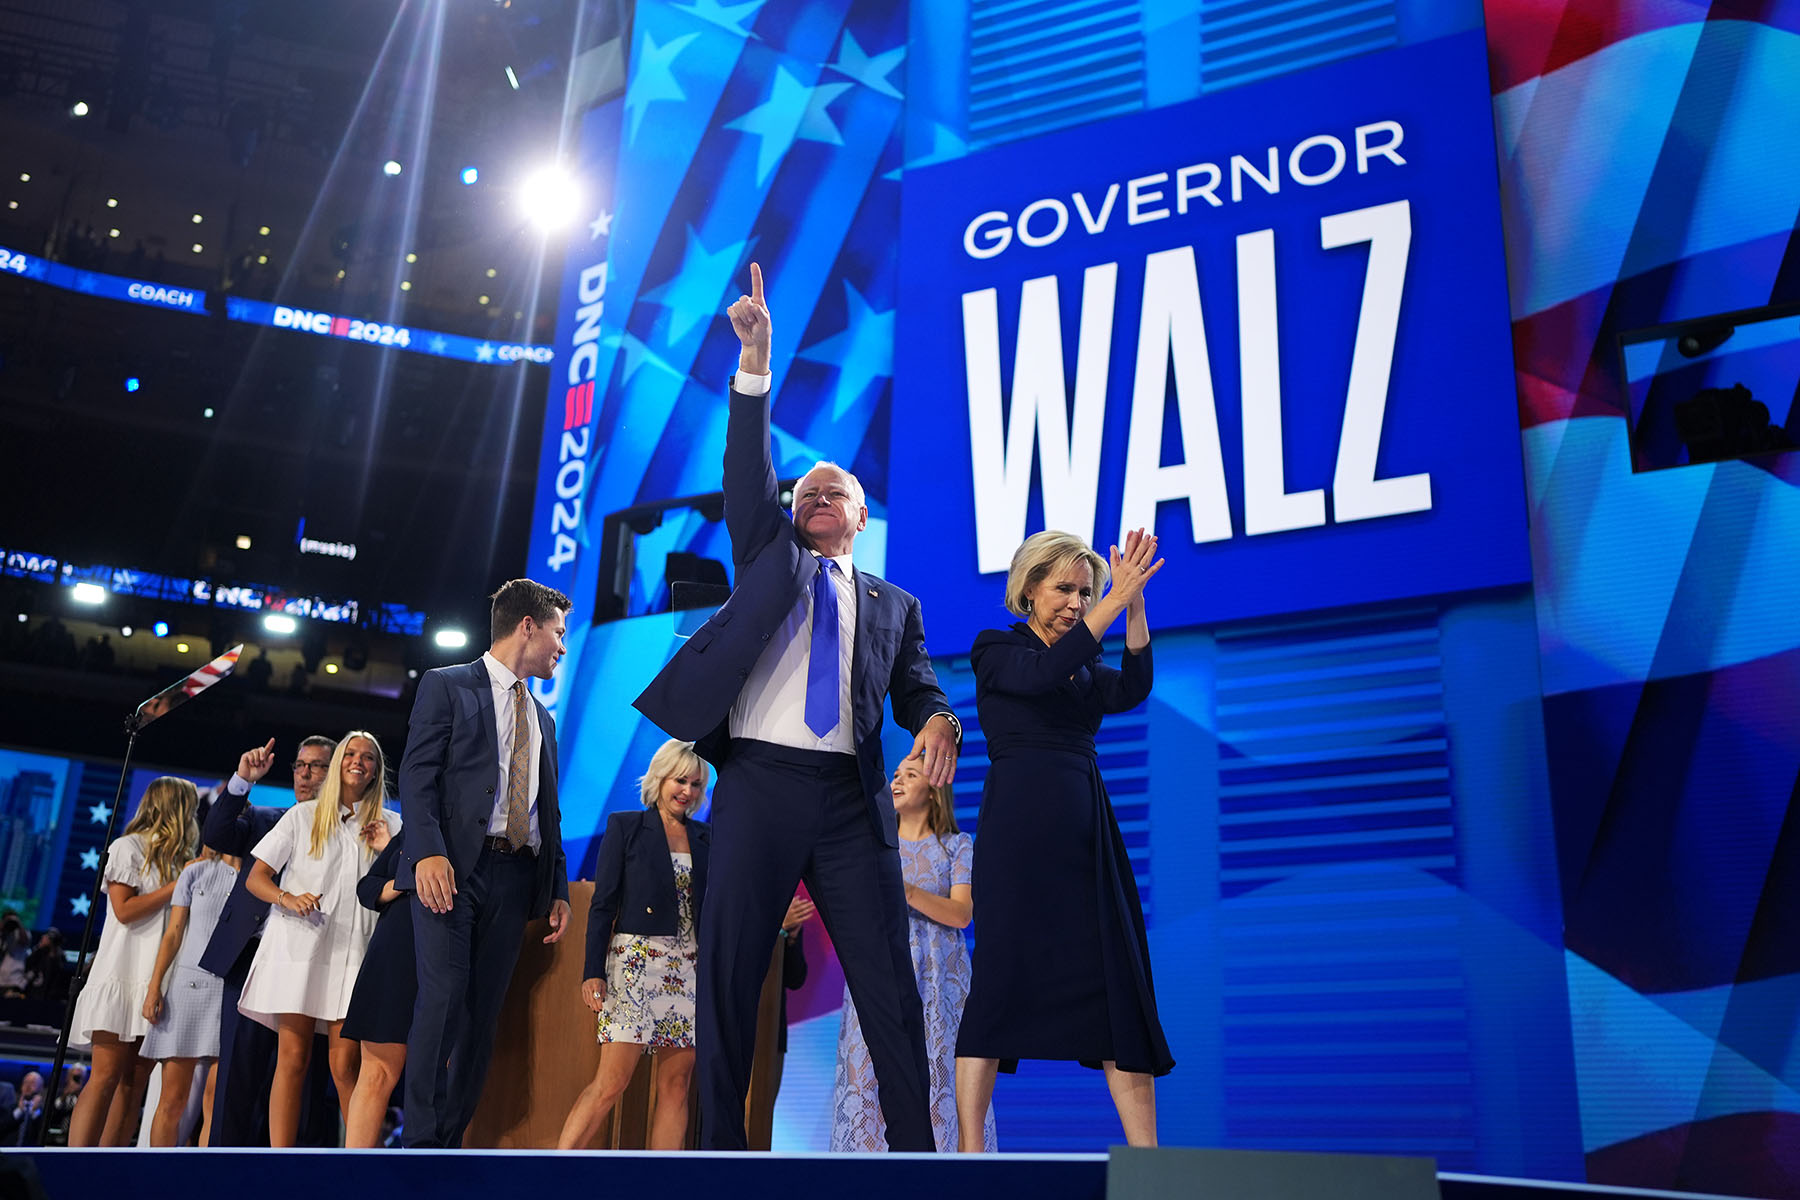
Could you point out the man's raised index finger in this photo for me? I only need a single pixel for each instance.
(756, 291)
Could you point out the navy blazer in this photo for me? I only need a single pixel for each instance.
(691, 697)
(449, 773)
(234, 826)
(633, 873)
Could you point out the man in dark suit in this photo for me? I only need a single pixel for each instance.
(782, 690)
(483, 850)
(246, 1063)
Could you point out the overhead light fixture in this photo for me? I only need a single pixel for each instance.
(207, 413)
(197, 218)
(481, 300)
(549, 197)
(391, 168)
(112, 233)
(262, 231)
(243, 541)
(12, 204)
(512, 79)
(262, 260)
(198, 247)
(79, 109)
(491, 272)
(451, 639)
(279, 623)
(133, 383)
(406, 285)
(470, 175)
(25, 177)
(23, 618)
(331, 668)
(125, 631)
(181, 647)
(160, 629)
(88, 593)
(112, 202)
(412, 258)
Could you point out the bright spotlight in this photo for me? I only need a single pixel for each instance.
(243, 541)
(331, 668)
(160, 629)
(133, 383)
(549, 197)
(125, 631)
(112, 202)
(470, 175)
(451, 639)
(198, 247)
(512, 79)
(181, 647)
(198, 218)
(79, 109)
(390, 168)
(88, 593)
(280, 623)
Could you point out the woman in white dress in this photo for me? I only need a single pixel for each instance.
(313, 943)
(141, 870)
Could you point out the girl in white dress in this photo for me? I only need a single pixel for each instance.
(141, 870)
(313, 943)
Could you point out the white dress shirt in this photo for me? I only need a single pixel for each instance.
(501, 680)
(771, 707)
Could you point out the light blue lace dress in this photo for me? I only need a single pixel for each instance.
(941, 965)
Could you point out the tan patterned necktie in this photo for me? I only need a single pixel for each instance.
(518, 773)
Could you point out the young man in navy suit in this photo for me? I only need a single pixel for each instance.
(484, 850)
(246, 1063)
(782, 690)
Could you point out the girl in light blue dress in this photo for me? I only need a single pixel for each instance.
(935, 861)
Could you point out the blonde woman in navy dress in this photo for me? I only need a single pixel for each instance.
(642, 951)
(141, 870)
(317, 933)
(184, 1014)
(1062, 964)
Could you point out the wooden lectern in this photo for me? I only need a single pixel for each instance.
(545, 1052)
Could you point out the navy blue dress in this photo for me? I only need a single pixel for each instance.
(381, 1004)
(1061, 962)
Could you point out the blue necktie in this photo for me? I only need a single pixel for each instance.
(822, 662)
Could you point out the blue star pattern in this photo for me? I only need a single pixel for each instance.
(90, 860)
(692, 293)
(728, 17)
(438, 344)
(862, 353)
(871, 71)
(485, 352)
(99, 814)
(777, 120)
(80, 906)
(653, 78)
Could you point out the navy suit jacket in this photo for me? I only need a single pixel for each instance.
(234, 826)
(691, 697)
(448, 777)
(634, 882)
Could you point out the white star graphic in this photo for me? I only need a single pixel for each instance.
(870, 71)
(438, 344)
(653, 78)
(484, 352)
(99, 814)
(600, 226)
(90, 860)
(80, 905)
(725, 16)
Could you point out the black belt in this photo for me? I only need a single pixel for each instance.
(500, 845)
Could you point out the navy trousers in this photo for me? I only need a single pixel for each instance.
(246, 1068)
(779, 816)
(465, 961)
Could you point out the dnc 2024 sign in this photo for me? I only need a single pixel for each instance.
(1270, 324)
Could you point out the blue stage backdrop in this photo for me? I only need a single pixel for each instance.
(1054, 264)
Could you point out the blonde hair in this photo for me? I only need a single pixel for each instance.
(1038, 556)
(325, 817)
(165, 822)
(671, 758)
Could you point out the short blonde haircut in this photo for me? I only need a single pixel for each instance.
(673, 757)
(1038, 556)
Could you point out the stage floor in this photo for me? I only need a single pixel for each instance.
(149, 1175)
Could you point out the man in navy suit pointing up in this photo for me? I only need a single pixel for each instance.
(782, 690)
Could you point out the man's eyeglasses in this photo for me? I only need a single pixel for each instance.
(302, 767)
